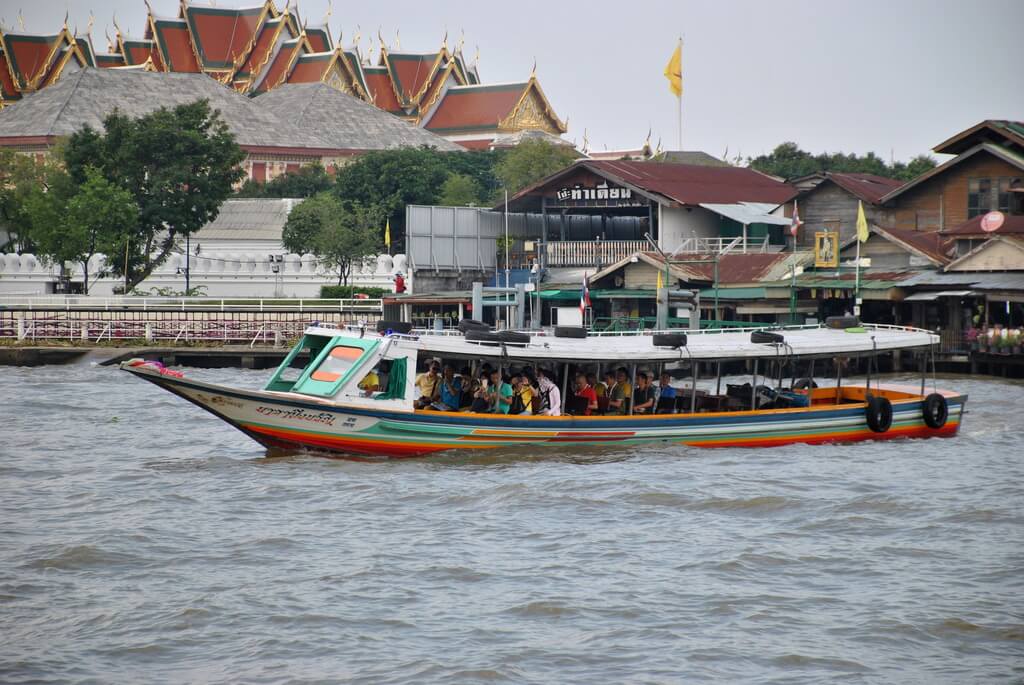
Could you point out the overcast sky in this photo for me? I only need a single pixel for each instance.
(891, 76)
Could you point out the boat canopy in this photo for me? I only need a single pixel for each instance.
(797, 342)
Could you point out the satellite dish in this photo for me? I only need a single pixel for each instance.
(992, 221)
(619, 281)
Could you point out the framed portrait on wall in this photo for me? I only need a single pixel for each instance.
(826, 249)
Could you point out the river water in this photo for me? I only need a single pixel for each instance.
(141, 540)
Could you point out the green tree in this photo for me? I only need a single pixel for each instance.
(788, 161)
(22, 179)
(339, 234)
(459, 190)
(306, 182)
(179, 165)
(530, 161)
(74, 224)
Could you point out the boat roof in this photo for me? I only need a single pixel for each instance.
(799, 341)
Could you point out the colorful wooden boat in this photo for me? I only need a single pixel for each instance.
(315, 405)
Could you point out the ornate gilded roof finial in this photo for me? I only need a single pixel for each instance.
(380, 38)
(658, 150)
(66, 13)
(359, 36)
(476, 57)
(647, 140)
(21, 20)
(110, 42)
(88, 27)
(444, 41)
(533, 72)
(462, 41)
(586, 142)
(398, 40)
(330, 10)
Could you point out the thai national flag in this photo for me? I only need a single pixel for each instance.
(794, 225)
(585, 296)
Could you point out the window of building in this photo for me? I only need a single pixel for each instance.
(979, 196)
(1003, 195)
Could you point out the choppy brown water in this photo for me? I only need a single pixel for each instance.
(143, 541)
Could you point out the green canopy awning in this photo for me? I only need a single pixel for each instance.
(601, 294)
(734, 294)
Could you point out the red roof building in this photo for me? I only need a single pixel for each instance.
(257, 48)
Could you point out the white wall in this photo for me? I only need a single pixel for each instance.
(679, 223)
(223, 273)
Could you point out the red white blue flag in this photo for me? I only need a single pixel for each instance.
(585, 295)
(794, 225)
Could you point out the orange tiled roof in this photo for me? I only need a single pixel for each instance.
(30, 58)
(223, 35)
(175, 45)
(378, 84)
(467, 108)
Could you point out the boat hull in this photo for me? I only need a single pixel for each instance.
(290, 423)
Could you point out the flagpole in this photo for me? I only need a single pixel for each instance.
(680, 98)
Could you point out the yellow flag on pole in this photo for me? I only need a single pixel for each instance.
(387, 234)
(660, 284)
(674, 71)
(862, 224)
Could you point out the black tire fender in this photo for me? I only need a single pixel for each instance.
(842, 322)
(513, 337)
(879, 413)
(935, 410)
(804, 384)
(467, 325)
(481, 336)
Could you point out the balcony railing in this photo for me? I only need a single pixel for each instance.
(720, 245)
(591, 252)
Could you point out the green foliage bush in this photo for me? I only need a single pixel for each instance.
(341, 292)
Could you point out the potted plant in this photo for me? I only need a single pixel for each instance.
(1002, 345)
(972, 338)
(1014, 339)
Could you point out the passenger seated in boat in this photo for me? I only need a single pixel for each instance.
(550, 396)
(498, 394)
(599, 388)
(370, 383)
(451, 391)
(666, 402)
(643, 398)
(428, 387)
(620, 393)
(522, 396)
(586, 394)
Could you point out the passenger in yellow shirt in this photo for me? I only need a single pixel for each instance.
(428, 387)
(370, 383)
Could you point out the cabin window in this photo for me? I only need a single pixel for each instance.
(979, 196)
(1003, 195)
(337, 363)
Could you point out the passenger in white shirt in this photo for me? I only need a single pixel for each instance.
(551, 397)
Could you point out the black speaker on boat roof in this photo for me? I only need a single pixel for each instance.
(388, 327)
(766, 337)
(669, 340)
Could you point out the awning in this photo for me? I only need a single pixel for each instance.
(775, 309)
(734, 294)
(932, 296)
(748, 213)
(600, 294)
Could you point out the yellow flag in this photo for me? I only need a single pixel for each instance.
(674, 71)
(862, 224)
(387, 235)
(660, 286)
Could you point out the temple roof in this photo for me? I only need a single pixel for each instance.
(175, 45)
(86, 97)
(345, 122)
(465, 108)
(378, 85)
(223, 36)
(29, 57)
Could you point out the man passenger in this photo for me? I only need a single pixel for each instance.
(643, 398)
(428, 386)
(620, 393)
(584, 390)
(451, 390)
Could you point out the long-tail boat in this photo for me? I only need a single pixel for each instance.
(313, 401)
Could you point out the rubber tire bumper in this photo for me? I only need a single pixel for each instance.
(669, 340)
(766, 337)
(936, 411)
(400, 327)
(467, 325)
(879, 413)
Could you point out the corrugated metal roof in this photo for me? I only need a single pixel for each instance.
(1012, 224)
(248, 219)
(692, 184)
(974, 281)
(748, 213)
(867, 187)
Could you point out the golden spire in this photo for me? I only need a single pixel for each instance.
(398, 40)
(330, 10)
(21, 20)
